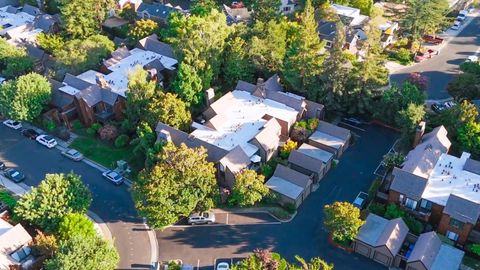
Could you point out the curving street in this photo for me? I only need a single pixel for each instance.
(441, 69)
(112, 203)
(305, 235)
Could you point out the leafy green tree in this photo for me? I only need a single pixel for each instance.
(313, 264)
(188, 85)
(392, 160)
(79, 55)
(145, 139)
(287, 148)
(408, 119)
(75, 224)
(44, 245)
(182, 181)
(50, 42)
(248, 189)
(343, 221)
(466, 85)
(18, 66)
(139, 94)
(262, 259)
(268, 46)
(264, 10)
(468, 135)
(303, 61)
(424, 17)
(199, 42)
(88, 253)
(168, 109)
(55, 197)
(127, 13)
(23, 99)
(365, 6)
(83, 18)
(142, 28)
(203, 7)
(237, 66)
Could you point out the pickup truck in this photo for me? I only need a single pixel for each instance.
(433, 39)
(420, 56)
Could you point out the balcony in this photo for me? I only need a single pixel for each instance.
(420, 213)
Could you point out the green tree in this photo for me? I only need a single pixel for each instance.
(248, 189)
(303, 61)
(268, 46)
(168, 109)
(188, 85)
(44, 245)
(408, 119)
(202, 7)
(18, 66)
(23, 99)
(127, 13)
(313, 264)
(83, 18)
(468, 135)
(55, 197)
(343, 221)
(392, 160)
(145, 139)
(264, 10)
(50, 42)
(287, 148)
(466, 85)
(88, 253)
(142, 28)
(237, 66)
(139, 94)
(424, 17)
(182, 181)
(79, 55)
(75, 224)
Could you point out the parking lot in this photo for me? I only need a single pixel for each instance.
(224, 218)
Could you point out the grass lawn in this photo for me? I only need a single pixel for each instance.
(106, 153)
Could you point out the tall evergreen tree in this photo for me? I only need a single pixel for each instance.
(237, 66)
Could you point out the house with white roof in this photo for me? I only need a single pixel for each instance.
(438, 187)
(250, 121)
(14, 246)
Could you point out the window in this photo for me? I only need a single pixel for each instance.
(328, 44)
(21, 253)
(456, 223)
(286, 9)
(426, 204)
(452, 236)
(412, 204)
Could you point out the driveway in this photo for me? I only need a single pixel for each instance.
(112, 203)
(305, 235)
(442, 68)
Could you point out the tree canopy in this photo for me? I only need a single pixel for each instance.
(168, 109)
(264, 259)
(14, 61)
(182, 181)
(264, 10)
(56, 196)
(466, 85)
(23, 99)
(83, 18)
(248, 189)
(141, 29)
(343, 221)
(424, 17)
(75, 224)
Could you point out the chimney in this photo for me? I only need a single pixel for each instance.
(419, 131)
(210, 96)
(101, 81)
(165, 136)
(260, 89)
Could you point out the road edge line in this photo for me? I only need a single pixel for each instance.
(101, 224)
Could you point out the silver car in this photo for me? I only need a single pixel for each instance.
(72, 154)
(201, 218)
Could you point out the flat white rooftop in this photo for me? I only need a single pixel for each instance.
(9, 21)
(118, 78)
(448, 177)
(25, 37)
(241, 120)
(353, 13)
(326, 139)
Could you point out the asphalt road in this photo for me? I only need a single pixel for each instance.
(441, 69)
(112, 203)
(305, 235)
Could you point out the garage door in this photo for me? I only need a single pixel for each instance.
(362, 249)
(381, 258)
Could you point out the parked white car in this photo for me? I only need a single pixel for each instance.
(114, 177)
(72, 154)
(201, 218)
(12, 124)
(47, 141)
(223, 266)
(472, 58)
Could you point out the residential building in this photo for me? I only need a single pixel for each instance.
(331, 138)
(311, 161)
(389, 242)
(237, 14)
(292, 186)
(133, 3)
(14, 246)
(439, 188)
(287, 7)
(100, 96)
(250, 121)
(157, 12)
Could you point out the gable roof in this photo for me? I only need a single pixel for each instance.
(334, 130)
(236, 160)
(326, 139)
(408, 183)
(268, 137)
(448, 257)
(151, 43)
(117, 56)
(75, 82)
(426, 249)
(292, 176)
(327, 30)
(45, 22)
(178, 137)
(305, 158)
(237, 15)
(34, 11)
(378, 231)
(157, 10)
(472, 166)
(94, 94)
(10, 240)
(245, 86)
(462, 209)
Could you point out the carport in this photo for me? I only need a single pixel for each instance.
(292, 186)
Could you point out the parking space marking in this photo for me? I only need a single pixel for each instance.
(226, 222)
(219, 225)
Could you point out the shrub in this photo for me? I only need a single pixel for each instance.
(7, 199)
(271, 198)
(44, 245)
(300, 124)
(267, 170)
(393, 211)
(417, 79)
(108, 132)
(312, 124)
(415, 226)
(372, 191)
(401, 42)
(392, 160)
(77, 125)
(280, 213)
(403, 56)
(474, 248)
(49, 125)
(96, 126)
(377, 209)
(121, 141)
(287, 148)
(300, 134)
(91, 131)
(290, 207)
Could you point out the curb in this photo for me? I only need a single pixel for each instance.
(101, 224)
(246, 211)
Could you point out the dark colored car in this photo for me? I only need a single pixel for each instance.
(14, 175)
(30, 133)
(2, 165)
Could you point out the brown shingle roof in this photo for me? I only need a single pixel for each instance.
(462, 209)
(426, 249)
(151, 43)
(306, 161)
(334, 130)
(472, 166)
(408, 183)
(292, 176)
(236, 160)
(269, 136)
